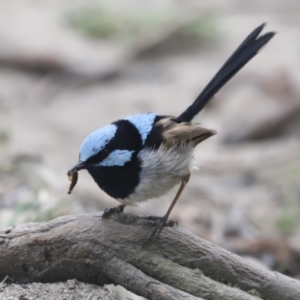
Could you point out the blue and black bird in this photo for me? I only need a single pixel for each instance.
(143, 156)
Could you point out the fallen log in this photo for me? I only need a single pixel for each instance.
(177, 265)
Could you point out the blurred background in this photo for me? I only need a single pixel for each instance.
(70, 67)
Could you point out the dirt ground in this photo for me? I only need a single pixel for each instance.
(70, 290)
(64, 74)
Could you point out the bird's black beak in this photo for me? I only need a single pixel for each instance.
(80, 166)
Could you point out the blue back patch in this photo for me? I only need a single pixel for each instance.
(117, 158)
(143, 123)
(96, 141)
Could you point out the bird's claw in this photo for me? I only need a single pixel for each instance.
(153, 220)
(160, 223)
(111, 211)
(171, 223)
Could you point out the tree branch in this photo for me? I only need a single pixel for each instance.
(178, 265)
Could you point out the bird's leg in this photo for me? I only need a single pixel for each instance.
(114, 210)
(163, 221)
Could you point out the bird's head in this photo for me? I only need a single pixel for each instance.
(105, 148)
(99, 150)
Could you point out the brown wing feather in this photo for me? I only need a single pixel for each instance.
(180, 133)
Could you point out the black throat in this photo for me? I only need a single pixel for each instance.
(117, 181)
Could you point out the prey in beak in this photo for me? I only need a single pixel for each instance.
(73, 175)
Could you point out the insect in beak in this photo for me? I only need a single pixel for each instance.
(73, 175)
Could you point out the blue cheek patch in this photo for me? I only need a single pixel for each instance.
(117, 158)
(96, 141)
(143, 123)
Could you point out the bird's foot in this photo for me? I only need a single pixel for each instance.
(114, 210)
(159, 223)
(171, 223)
(153, 220)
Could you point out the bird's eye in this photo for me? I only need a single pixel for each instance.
(99, 156)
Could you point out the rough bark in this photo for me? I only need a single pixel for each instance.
(178, 265)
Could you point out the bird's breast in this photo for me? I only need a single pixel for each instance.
(161, 170)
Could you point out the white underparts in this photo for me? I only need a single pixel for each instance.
(162, 169)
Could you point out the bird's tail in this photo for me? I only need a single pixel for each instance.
(244, 53)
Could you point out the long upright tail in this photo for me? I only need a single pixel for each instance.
(244, 53)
